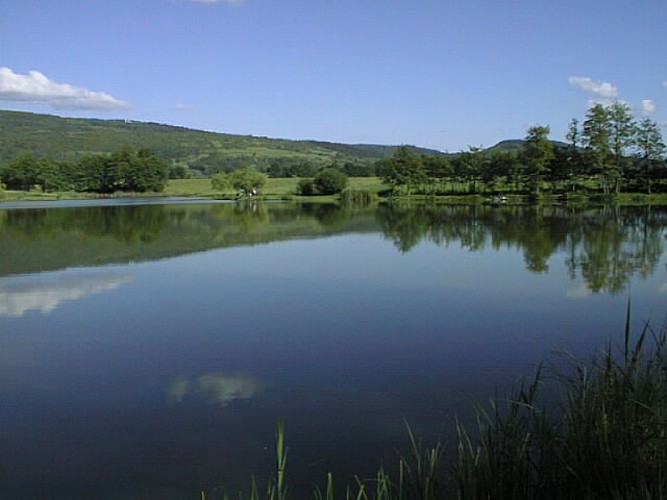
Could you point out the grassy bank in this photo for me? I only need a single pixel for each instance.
(595, 430)
(285, 189)
(275, 188)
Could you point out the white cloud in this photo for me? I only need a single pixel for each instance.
(36, 87)
(180, 107)
(604, 90)
(648, 107)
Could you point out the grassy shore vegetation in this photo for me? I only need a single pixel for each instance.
(273, 188)
(596, 429)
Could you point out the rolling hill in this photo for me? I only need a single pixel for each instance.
(200, 151)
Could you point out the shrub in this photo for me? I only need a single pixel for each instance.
(330, 181)
(305, 187)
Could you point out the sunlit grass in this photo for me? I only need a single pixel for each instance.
(275, 188)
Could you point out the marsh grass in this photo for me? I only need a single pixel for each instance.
(593, 429)
(606, 438)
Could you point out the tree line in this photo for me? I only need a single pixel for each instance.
(127, 170)
(610, 152)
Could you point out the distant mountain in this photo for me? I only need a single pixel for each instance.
(206, 152)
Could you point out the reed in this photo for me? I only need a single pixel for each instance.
(607, 438)
(596, 429)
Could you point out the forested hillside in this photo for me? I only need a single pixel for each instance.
(202, 153)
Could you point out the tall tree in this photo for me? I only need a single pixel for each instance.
(405, 168)
(469, 164)
(595, 139)
(622, 132)
(537, 153)
(650, 148)
(573, 138)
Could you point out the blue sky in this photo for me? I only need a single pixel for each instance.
(434, 73)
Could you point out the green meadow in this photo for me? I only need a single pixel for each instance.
(275, 188)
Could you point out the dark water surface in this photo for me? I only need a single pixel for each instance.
(148, 351)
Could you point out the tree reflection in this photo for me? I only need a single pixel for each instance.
(605, 246)
(124, 223)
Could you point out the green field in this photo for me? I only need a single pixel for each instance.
(275, 188)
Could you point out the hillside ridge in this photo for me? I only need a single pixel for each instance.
(63, 138)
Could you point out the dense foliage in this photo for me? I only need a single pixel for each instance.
(328, 181)
(609, 152)
(246, 180)
(123, 171)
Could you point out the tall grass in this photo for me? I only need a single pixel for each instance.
(605, 439)
(596, 429)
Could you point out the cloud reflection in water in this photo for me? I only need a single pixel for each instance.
(218, 388)
(18, 296)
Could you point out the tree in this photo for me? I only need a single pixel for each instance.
(595, 138)
(469, 164)
(220, 181)
(438, 168)
(330, 181)
(650, 149)
(21, 174)
(94, 175)
(537, 153)
(177, 171)
(247, 180)
(622, 132)
(573, 158)
(153, 173)
(404, 168)
(305, 187)
(52, 175)
(504, 165)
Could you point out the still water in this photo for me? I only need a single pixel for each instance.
(149, 350)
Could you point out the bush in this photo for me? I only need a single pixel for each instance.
(330, 181)
(305, 187)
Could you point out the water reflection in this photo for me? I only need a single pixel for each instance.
(216, 387)
(605, 246)
(405, 314)
(20, 295)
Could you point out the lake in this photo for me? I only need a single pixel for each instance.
(148, 349)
